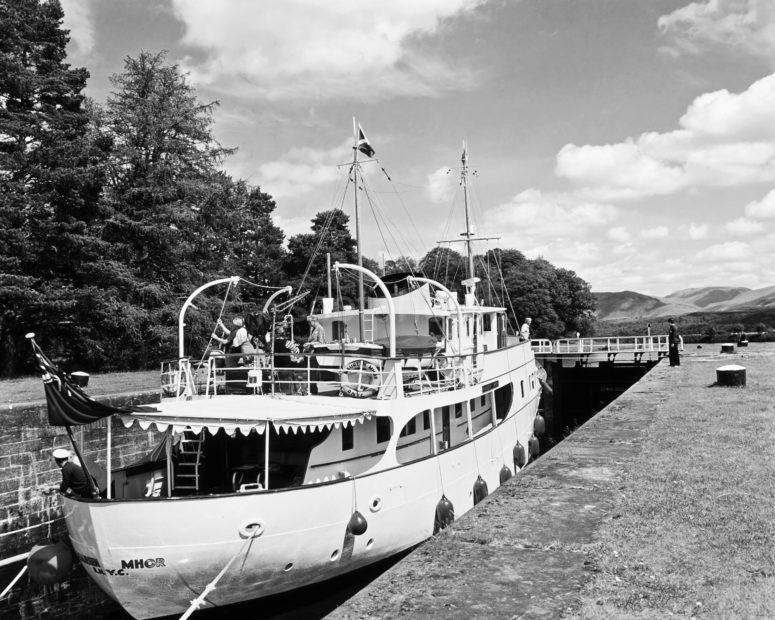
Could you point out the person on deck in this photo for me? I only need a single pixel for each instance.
(73, 477)
(524, 331)
(674, 341)
(239, 342)
(317, 333)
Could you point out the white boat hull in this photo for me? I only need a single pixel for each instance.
(155, 556)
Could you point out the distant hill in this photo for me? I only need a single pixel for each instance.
(629, 305)
(710, 295)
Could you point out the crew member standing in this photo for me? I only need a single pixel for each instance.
(524, 331)
(674, 340)
(73, 476)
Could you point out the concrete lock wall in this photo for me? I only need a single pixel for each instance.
(30, 512)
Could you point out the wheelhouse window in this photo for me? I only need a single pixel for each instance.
(458, 410)
(483, 400)
(348, 437)
(436, 326)
(337, 330)
(383, 429)
(487, 322)
(426, 419)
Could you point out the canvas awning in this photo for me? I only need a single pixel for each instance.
(248, 413)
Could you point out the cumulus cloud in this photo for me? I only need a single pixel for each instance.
(697, 231)
(302, 170)
(743, 226)
(80, 22)
(620, 234)
(658, 232)
(321, 50)
(741, 25)
(728, 251)
(441, 185)
(724, 139)
(762, 209)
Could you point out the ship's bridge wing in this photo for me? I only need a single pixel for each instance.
(248, 413)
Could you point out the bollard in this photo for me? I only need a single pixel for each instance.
(728, 347)
(731, 375)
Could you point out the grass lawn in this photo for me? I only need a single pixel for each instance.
(695, 531)
(31, 388)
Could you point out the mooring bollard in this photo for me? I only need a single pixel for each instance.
(728, 347)
(731, 375)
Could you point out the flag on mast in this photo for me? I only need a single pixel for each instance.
(363, 143)
(464, 156)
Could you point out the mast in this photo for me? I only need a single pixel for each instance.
(358, 230)
(464, 183)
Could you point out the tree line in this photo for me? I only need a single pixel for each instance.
(112, 213)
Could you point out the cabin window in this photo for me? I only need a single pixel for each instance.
(504, 396)
(337, 330)
(483, 400)
(458, 410)
(468, 326)
(436, 326)
(472, 405)
(348, 437)
(409, 429)
(383, 429)
(487, 321)
(426, 419)
(522, 387)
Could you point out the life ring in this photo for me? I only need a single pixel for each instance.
(364, 384)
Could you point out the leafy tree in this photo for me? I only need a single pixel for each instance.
(761, 329)
(51, 175)
(400, 265)
(444, 265)
(710, 333)
(169, 208)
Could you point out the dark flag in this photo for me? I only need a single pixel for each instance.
(363, 143)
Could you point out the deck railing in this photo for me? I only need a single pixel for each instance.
(352, 375)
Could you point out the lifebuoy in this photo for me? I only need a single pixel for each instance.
(364, 384)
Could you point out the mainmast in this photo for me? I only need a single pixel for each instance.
(361, 302)
(468, 233)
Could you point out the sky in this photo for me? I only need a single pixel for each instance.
(632, 142)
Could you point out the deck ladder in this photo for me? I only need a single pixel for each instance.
(189, 461)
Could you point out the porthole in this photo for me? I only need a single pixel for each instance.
(334, 555)
(375, 504)
(370, 543)
(288, 567)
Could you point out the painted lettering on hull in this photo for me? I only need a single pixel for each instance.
(143, 563)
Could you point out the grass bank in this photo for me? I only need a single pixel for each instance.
(694, 532)
(28, 389)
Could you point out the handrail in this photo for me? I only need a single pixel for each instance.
(385, 292)
(412, 279)
(614, 344)
(187, 303)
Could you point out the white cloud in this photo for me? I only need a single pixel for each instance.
(724, 140)
(302, 170)
(441, 185)
(728, 251)
(743, 226)
(80, 22)
(742, 25)
(658, 232)
(697, 231)
(762, 209)
(321, 50)
(619, 233)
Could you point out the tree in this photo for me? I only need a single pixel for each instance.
(51, 175)
(400, 265)
(169, 208)
(445, 266)
(305, 263)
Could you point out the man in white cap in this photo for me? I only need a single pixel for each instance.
(73, 478)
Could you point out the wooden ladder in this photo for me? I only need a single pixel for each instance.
(368, 327)
(189, 461)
